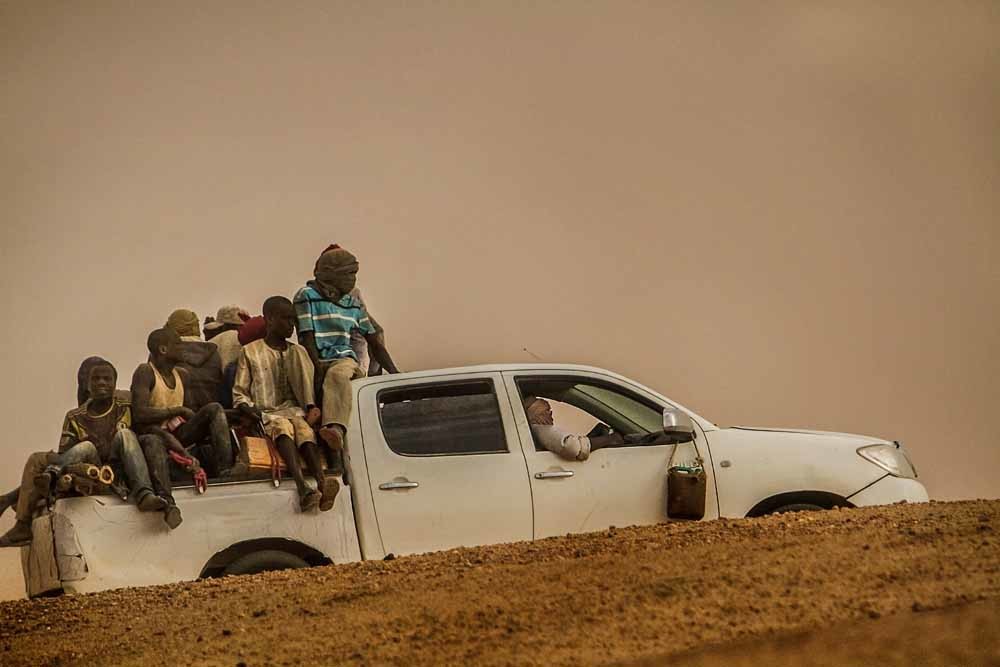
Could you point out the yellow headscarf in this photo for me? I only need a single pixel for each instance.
(185, 322)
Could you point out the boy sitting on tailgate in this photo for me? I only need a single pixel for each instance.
(274, 382)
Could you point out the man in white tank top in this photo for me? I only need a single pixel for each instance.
(166, 421)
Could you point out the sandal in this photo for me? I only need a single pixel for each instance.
(330, 489)
(310, 501)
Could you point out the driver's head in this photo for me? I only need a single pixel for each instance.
(538, 410)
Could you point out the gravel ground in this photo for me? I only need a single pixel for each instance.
(678, 591)
(965, 635)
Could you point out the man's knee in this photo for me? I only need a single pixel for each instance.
(152, 446)
(126, 441)
(213, 410)
(341, 372)
(85, 451)
(36, 462)
(280, 426)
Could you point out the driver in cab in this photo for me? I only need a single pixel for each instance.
(569, 446)
(574, 447)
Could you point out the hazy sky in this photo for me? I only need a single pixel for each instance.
(777, 214)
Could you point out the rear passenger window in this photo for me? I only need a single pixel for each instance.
(442, 419)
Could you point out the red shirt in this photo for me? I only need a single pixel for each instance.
(253, 329)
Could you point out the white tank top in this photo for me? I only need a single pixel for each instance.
(162, 395)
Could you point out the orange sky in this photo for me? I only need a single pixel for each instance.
(775, 214)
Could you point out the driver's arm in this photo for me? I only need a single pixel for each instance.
(602, 441)
(570, 446)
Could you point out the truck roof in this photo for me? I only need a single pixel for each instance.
(500, 368)
(488, 368)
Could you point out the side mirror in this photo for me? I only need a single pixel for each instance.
(678, 425)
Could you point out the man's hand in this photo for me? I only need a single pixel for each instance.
(251, 411)
(313, 416)
(184, 412)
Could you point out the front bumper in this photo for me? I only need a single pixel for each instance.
(890, 490)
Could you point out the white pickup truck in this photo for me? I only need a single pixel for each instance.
(446, 458)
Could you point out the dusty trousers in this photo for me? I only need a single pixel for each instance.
(209, 423)
(338, 398)
(155, 451)
(28, 497)
(125, 454)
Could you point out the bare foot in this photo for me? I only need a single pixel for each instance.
(332, 436)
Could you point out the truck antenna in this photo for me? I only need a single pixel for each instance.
(537, 358)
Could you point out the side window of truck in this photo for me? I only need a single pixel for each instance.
(442, 419)
(592, 407)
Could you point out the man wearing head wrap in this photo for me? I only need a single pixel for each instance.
(98, 432)
(202, 360)
(566, 445)
(185, 323)
(358, 343)
(327, 316)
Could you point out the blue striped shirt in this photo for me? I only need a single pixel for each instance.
(331, 323)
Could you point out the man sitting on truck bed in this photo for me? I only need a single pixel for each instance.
(96, 433)
(201, 360)
(9, 499)
(368, 365)
(274, 383)
(327, 316)
(168, 420)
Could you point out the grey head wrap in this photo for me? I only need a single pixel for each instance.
(335, 270)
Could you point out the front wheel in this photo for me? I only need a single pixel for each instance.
(263, 561)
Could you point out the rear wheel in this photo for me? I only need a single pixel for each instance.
(263, 561)
(797, 507)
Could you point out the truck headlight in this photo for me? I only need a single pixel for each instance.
(891, 458)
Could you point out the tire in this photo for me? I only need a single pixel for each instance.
(797, 507)
(263, 561)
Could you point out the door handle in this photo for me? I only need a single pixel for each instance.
(553, 474)
(389, 486)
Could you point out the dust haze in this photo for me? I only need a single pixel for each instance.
(775, 214)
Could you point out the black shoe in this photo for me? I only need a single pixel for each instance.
(172, 516)
(150, 502)
(18, 536)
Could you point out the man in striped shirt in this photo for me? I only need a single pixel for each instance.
(327, 316)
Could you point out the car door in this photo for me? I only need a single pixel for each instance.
(617, 486)
(444, 463)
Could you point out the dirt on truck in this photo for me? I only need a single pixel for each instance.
(903, 584)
